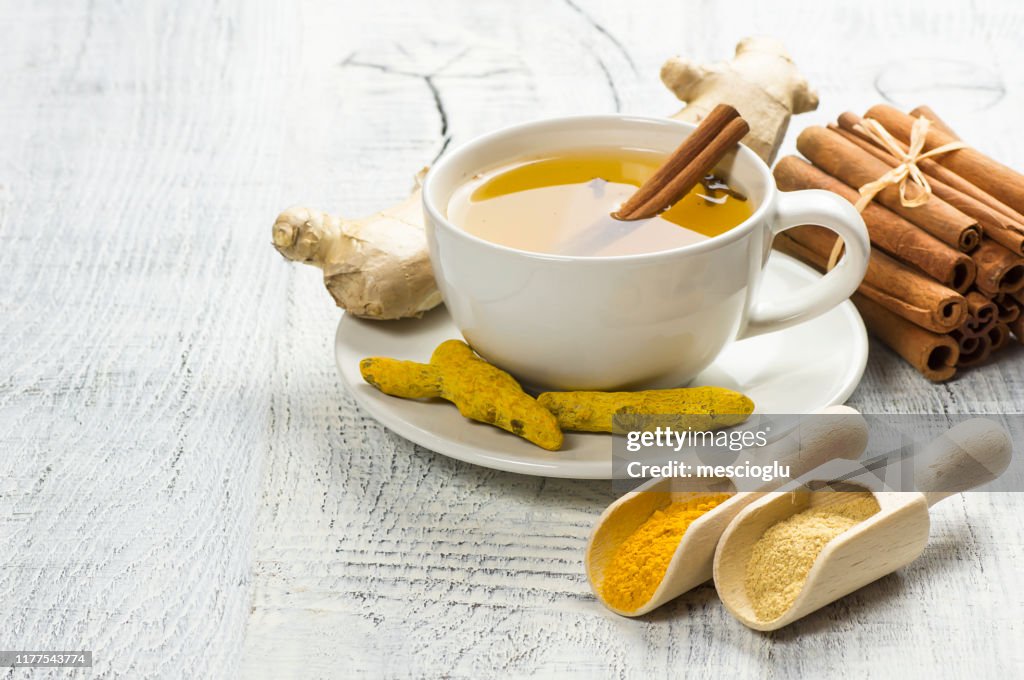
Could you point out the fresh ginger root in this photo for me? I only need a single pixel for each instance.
(377, 267)
(701, 408)
(480, 390)
(761, 82)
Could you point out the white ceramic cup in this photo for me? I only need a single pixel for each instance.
(632, 321)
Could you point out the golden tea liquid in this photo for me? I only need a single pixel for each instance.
(562, 205)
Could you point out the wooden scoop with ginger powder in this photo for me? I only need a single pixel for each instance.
(787, 555)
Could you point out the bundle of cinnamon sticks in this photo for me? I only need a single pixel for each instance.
(945, 285)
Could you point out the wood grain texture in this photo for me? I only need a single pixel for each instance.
(186, 489)
(139, 308)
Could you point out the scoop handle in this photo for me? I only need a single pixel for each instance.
(832, 433)
(970, 454)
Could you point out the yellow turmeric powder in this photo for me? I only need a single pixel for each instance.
(638, 566)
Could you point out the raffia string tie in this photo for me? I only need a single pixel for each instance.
(904, 173)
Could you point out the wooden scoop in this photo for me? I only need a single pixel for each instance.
(844, 435)
(971, 454)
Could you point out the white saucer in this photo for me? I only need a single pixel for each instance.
(798, 370)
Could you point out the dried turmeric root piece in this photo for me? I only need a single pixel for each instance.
(480, 390)
(406, 379)
(702, 408)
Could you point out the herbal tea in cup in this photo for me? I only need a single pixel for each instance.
(561, 204)
(586, 317)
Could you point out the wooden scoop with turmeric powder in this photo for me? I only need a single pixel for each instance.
(787, 555)
(655, 543)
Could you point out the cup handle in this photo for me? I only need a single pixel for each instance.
(826, 209)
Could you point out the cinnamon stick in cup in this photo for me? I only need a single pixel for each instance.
(716, 135)
(856, 167)
(1005, 184)
(895, 286)
(1001, 228)
(890, 232)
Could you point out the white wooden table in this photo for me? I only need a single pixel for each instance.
(186, 489)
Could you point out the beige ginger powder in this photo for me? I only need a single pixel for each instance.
(783, 556)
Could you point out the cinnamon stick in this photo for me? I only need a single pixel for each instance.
(1001, 228)
(934, 356)
(943, 174)
(890, 232)
(846, 161)
(848, 121)
(865, 144)
(981, 310)
(895, 286)
(967, 343)
(973, 328)
(998, 227)
(999, 335)
(934, 170)
(990, 175)
(980, 354)
(1007, 308)
(937, 122)
(716, 135)
(999, 270)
